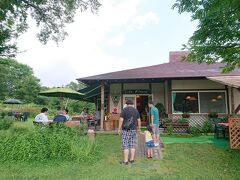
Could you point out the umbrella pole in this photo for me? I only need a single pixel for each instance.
(61, 101)
(66, 103)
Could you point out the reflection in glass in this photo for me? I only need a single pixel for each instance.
(185, 102)
(212, 102)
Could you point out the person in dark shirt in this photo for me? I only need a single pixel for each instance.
(60, 117)
(128, 123)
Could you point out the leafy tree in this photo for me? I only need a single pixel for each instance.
(75, 86)
(28, 88)
(17, 81)
(217, 38)
(50, 15)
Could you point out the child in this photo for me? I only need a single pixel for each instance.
(149, 141)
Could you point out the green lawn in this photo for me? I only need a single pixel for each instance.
(181, 161)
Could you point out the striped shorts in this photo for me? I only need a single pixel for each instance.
(129, 139)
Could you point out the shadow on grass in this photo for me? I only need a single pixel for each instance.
(223, 143)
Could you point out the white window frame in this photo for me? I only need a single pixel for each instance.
(198, 92)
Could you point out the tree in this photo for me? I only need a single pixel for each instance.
(217, 38)
(17, 81)
(75, 86)
(50, 15)
(28, 88)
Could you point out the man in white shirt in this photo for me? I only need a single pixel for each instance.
(42, 117)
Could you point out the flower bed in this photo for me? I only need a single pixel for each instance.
(179, 126)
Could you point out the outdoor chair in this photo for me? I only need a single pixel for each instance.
(220, 131)
(10, 114)
(25, 116)
(91, 123)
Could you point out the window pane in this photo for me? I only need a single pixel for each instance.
(184, 102)
(212, 102)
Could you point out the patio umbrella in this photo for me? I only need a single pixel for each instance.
(12, 101)
(62, 93)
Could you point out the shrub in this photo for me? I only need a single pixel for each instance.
(43, 143)
(170, 129)
(195, 130)
(213, 115)
(3, 114)
(207, 127)
(167, 120)
(224, 119)
(6, 123)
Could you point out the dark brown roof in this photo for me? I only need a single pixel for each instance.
(166, 70)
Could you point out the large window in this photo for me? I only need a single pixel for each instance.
(199, 102)
(212, 102)
(185, 102)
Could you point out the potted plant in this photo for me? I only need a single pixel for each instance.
(213, 115)
(182, 121)
(185, 115)
(161, 110)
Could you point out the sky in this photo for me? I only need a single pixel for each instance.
(124, 34)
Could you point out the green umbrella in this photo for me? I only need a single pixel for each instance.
(12, 101)
(62, 93)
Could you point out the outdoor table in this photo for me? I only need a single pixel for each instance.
(224, 124)
(76, 118)
(72, 123)
(49, 123)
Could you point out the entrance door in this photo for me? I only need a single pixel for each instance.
(129, 97)
(140, 102)
(142, 107)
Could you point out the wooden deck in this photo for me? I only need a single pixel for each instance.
(141, 150)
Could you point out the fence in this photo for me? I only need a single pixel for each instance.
(194, 119)
(234, 133)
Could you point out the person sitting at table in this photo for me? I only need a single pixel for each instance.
(60, 117)
(65, 113)
(42, 117)
(87, 111)
(84, 113)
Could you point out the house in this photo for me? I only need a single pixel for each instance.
(182, 87)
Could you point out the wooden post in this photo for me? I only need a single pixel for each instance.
(232, 102)
(102, 105)
(166, 96)
(169, 93)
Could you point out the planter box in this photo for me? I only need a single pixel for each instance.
(108, 125)
(177, 127)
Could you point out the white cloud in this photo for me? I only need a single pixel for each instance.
(141, 21)
(118, 40)
(80, 54)
(135, 23)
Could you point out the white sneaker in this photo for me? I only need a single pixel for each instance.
(156, 144)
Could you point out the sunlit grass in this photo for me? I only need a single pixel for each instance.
(181, 161)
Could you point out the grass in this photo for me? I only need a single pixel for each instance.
(181, 161)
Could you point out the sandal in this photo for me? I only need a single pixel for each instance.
(123, 163)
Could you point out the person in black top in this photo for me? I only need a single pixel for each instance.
(60, 117)
(129, 122)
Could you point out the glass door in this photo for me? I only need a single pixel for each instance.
(129, 97)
